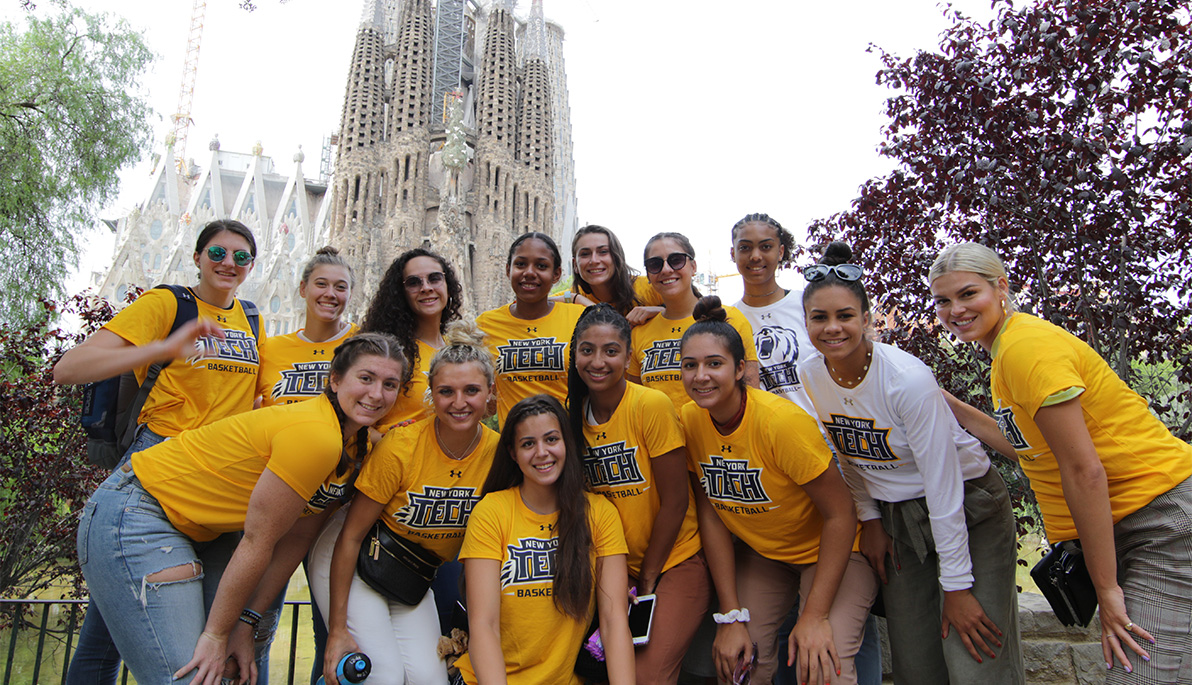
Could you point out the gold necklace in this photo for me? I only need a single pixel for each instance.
(850, 383)
(457, 456)
(763, 294)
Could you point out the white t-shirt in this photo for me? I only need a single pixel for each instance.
(900, 441)
(780, 335)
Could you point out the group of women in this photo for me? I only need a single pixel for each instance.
(746, 460)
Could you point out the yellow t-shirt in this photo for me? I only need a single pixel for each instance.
(295, 369)
(203, 478)
(753, 476)
(617, 465)
(428, 496)
(220, 380)
(411, 401)
(538, 641)
(656, 355)
(531, 354)
(643, 290)
(1037, 364)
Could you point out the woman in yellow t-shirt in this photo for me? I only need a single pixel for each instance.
(539, 552)
(602, 275)
(421, 482)
(416, 299)
(670, 266)
(529, 338)
(294, 366)
(219, 381)
(1105, 471)
(144, 534)
(633, 454)
(764, 474)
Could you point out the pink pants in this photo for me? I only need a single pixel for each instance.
(684, 592)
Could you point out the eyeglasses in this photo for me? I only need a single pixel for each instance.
(414, 283)
(240, 257)
(676, 261)
(845, 272)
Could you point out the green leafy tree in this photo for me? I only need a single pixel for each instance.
(71, 116)
(1060, 134)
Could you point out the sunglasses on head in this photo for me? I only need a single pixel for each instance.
(676, 261)
(240, 257)
(415, 282)
(845, 272)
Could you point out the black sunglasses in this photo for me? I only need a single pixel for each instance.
(217, 254)
(676, 261)
(415, 282)
(845, 272)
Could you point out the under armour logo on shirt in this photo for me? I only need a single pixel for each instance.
(677, 330)
(601, 435)
(766, 316)
(726, 448)
(547, 527)
(531, 330)
(221, 318)
(848, 401)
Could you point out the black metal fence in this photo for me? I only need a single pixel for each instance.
(41, 636)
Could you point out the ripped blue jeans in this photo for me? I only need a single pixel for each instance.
(124, 537)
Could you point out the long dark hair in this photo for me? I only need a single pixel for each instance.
(346, 354)
(390, 312)
(573, 582)
(577, 389)
(624, 296)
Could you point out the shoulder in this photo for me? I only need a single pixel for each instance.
(278, 342)
(566, 311)
(494, 506)
(1029, 338)
(500, 314)
(602, 509)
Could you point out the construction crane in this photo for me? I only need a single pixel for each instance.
(712, 281)
(186, 94)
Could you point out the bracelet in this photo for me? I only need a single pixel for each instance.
(735, 616)
(250, 617)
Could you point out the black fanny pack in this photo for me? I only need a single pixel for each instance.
(1064, 580)
(398, 569)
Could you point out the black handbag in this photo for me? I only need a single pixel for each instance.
(398, 569)
(1064, 580)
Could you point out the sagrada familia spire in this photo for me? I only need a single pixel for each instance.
(450, 146)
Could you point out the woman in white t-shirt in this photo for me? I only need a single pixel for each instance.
(937, 524)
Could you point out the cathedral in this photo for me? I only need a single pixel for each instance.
(455, 136)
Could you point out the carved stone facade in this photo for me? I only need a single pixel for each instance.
(394, 191)
(287, 215)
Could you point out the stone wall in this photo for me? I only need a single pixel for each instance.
(1052, 653)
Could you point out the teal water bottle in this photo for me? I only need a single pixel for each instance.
(353, 668)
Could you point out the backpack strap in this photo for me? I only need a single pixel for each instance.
(187, 310)
(254, 317)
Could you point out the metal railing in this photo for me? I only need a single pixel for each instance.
(41, 635)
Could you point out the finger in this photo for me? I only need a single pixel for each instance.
(1130, 642)
(968, 644)
(989, 636)
(814, 673)
(835, 657)
(880, 567)
(988, 623)
(981, 639)
(946, 625)
(1137, 631)
(190, 666)
(1116, 645)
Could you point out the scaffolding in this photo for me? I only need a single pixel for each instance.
(186, 93)
(453, 64)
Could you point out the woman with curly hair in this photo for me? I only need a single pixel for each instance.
(416, 299)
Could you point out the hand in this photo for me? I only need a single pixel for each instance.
(1117, 629)
(208, 660)
(639, 315)
(580, 299)
(963, 610)
(339, 643)
(812, 646)
(646, 585)
(875, 545)
(241, 662)
(732, 644)
(181, 343)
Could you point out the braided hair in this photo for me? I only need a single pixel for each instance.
(784, 236)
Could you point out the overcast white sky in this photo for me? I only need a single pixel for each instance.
(685, 117)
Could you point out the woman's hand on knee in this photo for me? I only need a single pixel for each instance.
(339, 643)
(210, 657)
(963, 611)
(811, 645)
(732, 645)
(242, 662)
(1118, 631)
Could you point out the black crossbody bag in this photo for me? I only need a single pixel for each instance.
(398, 569)
(1064, 580)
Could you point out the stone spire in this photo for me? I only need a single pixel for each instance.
(412, 70)
(498, 79)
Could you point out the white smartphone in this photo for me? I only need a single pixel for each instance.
(641, 618)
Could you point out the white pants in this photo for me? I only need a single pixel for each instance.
(400, 640)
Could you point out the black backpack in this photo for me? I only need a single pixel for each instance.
(112, 406)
